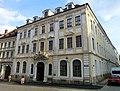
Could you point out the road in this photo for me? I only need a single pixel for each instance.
(11, 87)
(110, 88)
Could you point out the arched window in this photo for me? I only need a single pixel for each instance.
(50, 69)
(24, 67)
(31, 69)
(77, 68)
(63, 68)
(18, 67)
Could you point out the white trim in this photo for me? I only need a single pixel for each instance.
(71, 64)
(63, 77)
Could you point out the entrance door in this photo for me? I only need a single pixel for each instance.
(7, 72)
(40, 71)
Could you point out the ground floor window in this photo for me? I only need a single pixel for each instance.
(18, 67)
(77, 68)
(50, 69)
(63, 68)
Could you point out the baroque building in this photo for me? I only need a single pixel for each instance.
(66, 46)
(7, 50)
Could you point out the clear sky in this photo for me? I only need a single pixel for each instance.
(15, 12)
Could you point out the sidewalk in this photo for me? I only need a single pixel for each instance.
(102, 83)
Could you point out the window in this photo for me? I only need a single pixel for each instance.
(18, 49)
(61, 24)
(46, 14)
(13, 43)
(69, 6)
(91, 24)
(78, 41)
(61, 43)
(50, 69)
(24, 67)
(43, 29)
(11, 53)
(63, 68)
(27, 48)
(25, 34)
(20, 35)
(34, 47)
(51, 45)
(29, 33)
(1, 45)
(36, 31)
(31, 69)
(3, 54)
(69, 42)
(23, 48)
(42, 46)
(9, 44)
(69, 22)
(5, 44)
(77, 68)
(77, 20)
(51, 27)
(18, 67)
(93, 43)
(7, 55)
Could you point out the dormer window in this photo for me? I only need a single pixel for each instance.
(70, 5)
(59, 9)
(47, 13)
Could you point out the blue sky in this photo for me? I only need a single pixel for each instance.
(15, 12)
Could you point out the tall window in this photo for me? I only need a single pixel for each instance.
(29, 33)
(31, 69)
(18, 49)
(23, 48)
(91, 24)
(51, 27)
(61, 43)
(7, 54)
(43, 29)
(93, 43)
(61, 24)
(13, 44)
(69, 42)
(69, 22)
(51, 45)
(24, 67)
(78, 41)
(34, 47)
(5, 44)
(20, 35)
(1, 45)
(36, 31)
(63, 68)
(77, 20)
(50, 69)
(42, 46)
(3, 55)
(18, 67)
(27, 48)
(11, 53)
(77, 68)
(24, 34)
(9, 44)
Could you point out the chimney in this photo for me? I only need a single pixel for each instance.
(6, 31)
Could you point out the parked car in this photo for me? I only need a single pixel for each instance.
(114, 80)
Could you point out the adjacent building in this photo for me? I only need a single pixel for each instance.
(7, 50)
(66, 46)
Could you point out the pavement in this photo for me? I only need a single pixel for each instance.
(41, 84)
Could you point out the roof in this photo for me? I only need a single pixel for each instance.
(9, 34)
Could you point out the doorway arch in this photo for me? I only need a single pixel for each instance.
(7, 71)
(40, 71)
